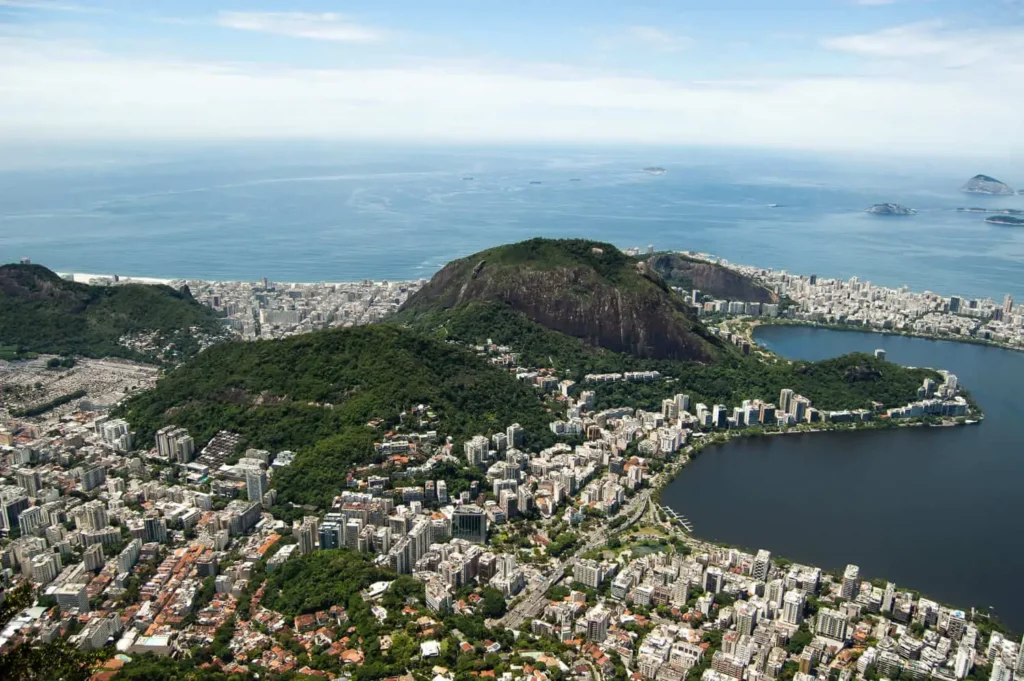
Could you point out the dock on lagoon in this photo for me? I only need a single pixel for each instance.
(678, 518)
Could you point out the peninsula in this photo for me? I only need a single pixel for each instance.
(465, 489)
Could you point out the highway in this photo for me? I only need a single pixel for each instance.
(533, 598)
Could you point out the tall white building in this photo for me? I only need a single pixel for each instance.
(476, 450)
(851, 583)
(831, 624)
(515, 434)
(793, 607)
(762, 565)
(785, 396)
(255, 484)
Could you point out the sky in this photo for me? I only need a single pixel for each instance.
(888, 76)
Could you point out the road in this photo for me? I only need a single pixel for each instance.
(534, 599)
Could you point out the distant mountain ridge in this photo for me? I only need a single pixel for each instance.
(585, 289)
(42, 312)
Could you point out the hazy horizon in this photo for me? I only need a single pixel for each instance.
(897, 77)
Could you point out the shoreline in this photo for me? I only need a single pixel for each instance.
(691, 452)
(88, 277)
(774, 321)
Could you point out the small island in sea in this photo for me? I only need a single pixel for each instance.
(1005, 220)
(655, 170)
(890, 209)
(983, 184)
(1001, 211)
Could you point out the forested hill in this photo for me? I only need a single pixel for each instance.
(41, 312)
(587, 290)
(316, 393)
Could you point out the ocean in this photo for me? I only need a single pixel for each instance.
(333, 212)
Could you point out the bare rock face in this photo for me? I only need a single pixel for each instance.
(585, 289)
(714, 280)
(983, 184)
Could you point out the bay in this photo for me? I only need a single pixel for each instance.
(335, 212)
(933, 509)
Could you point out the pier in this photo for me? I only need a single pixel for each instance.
(678, 518)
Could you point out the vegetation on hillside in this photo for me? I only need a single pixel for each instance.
(42, 313)
(315, 394)
(848, 382)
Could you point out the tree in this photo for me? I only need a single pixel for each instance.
(493, 605)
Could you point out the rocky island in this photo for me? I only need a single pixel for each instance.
(983, 184)
(890, 209)
(1005, 220)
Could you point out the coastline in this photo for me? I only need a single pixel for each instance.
(776, 321)
(691, 452)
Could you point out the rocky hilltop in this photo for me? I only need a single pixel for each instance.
(41, 312)
(890, 209)
(587, 290)
(983, 184)
(714, 280)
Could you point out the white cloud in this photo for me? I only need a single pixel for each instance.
(51, 91)
(933, 44)
(325, 26)
(45, 5)
(646, 37)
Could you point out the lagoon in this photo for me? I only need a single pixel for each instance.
(934, 509)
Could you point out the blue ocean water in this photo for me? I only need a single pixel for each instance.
(308, 212)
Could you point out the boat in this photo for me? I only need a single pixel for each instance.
(535, 182)
(775, 205)
(467, 178)
(575, 179)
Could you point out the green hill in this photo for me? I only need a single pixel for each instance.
(315, 393)
(41, 312)
(586, 290)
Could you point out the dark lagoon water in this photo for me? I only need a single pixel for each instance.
(940, 510)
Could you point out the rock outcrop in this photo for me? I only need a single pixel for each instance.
(584, 289)
(890, 209)
(983, 184)
(714, 280)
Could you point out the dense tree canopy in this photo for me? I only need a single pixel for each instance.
(41, 312)
(316, 393)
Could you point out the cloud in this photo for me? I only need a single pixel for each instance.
(933, 44)
(325, 26)
(55, 92)
(45, 5)
(646, 37)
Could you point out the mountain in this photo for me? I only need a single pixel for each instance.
(316, 394)
(41, 312)
(583, 289)
(983, 184)
(714, 280)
